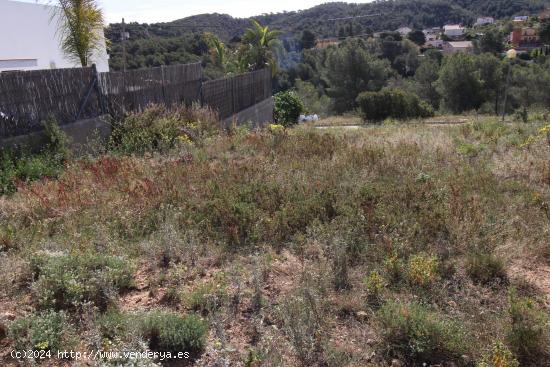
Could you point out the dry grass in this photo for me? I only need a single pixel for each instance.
(246, 229)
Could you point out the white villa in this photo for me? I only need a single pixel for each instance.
(484, 20)
(29, 39)
(454, 30)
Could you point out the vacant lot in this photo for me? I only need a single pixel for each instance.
(305, 247)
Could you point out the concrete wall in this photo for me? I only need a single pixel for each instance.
(80, 134)
(29, 39)
(259, 114)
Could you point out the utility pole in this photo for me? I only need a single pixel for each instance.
(123, 37)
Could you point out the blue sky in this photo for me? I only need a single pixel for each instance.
(166, 10)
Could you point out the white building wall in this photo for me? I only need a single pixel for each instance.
(29, 39)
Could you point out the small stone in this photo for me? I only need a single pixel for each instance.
(362, 315)
(7, 316)
(371, 342)
(396, 363)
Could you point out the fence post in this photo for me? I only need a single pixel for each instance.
(233, 95)
(201, 90)
(100, 96)
(92, 86)
(163, 86)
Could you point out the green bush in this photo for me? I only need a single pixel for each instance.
(528, 334)
(288, 108)
(169, 332)
(423, 270)
(21, 164)
(160, 129)
(499, 356)
(378, 106)
(66, 282)
(412, 333)
(48, 331)
(485, 267)
(207, 297)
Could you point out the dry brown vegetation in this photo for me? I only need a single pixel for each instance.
(303, 247)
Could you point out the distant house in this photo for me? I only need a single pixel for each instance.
(484, 20)
(431, 34)
(325, 42)
(525, 37)
(29, 39)
(437, 43)
(544, 15)
(454, 30)
(450, 48)
(404, 31)
(520, 19)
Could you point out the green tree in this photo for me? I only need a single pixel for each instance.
(492, 75)
(425, 80)
(417, 36)
(407, 61)
(258, 49)
(308, 39)
(491, 41)
(350, 70)
(459, 83)
(80, 25)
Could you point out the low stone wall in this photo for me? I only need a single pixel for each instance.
(79, 134)
(258, 115)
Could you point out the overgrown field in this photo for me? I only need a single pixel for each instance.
(399, 245)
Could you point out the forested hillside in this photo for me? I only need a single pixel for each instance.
(179, 41)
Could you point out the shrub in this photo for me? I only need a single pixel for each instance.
(68, 281)
(303, 325)
(499, 356)
(485, 267)
(340, 266)
(378, 106)
(23, 165)
(159, 129)
(375, 286)
(169, 332)
(394, 268)
(49, 331)
(207, 297)
(288, 108)
(412, 333)
(528, 334)
(423, 270)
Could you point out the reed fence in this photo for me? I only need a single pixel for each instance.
(27, 98)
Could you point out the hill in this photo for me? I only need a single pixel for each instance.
(389, 15)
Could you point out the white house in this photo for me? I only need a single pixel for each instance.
(436, 43)
(404, 31)
(29, 39)
(454, 30)
(450, 48)
(484, 20)
(431, 34)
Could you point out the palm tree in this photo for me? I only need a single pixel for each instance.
(80, 24)
(217, 50)
(259, 44)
